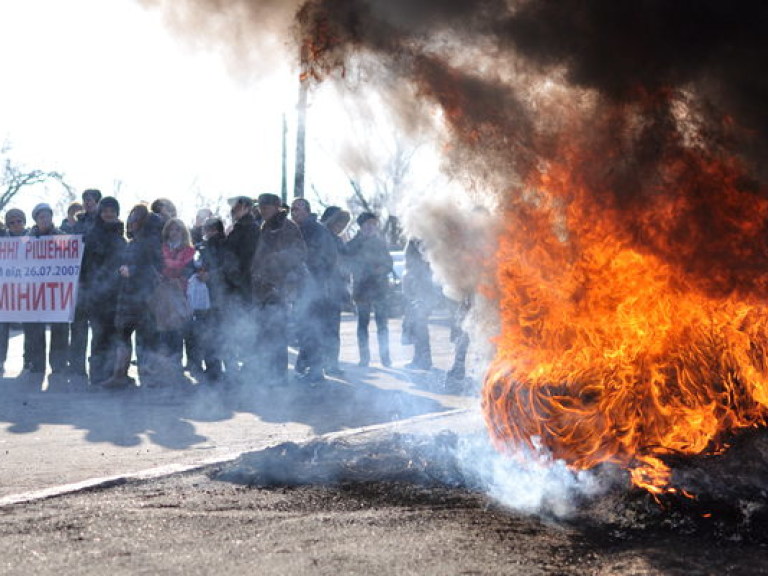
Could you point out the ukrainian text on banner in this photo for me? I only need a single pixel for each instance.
(38, 278)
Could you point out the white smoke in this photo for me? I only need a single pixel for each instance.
(527, 481)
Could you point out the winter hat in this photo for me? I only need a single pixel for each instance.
(93, 192)
(39, 208)
(109, 201)
(364, 217)
(240, 200)
(329, 213)
(270, 199)
(15, 213)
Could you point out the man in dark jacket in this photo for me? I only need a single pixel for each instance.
(315, 293)
(87, 218)
(277, 271)
(78, 329)
(239, 248)
(336, 220)
(142, 264)
(104, 247)
(371, 264)
(68, 225)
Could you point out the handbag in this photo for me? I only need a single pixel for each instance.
(170, 306)
(197, 294)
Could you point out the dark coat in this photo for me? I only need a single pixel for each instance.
(322, 255)
(102, 258)
(211, 257)
(240, 247)
(84, 224)
(371, 263)
(279, 266)
(35, 231)
(144, 259)
(67, 227)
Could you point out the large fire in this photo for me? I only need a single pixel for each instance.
(624, 337)
(633, 273)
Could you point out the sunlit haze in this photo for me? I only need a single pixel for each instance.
(106, 94)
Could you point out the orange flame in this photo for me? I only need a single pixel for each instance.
(620, 343)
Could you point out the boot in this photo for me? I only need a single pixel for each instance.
(386, 360)
(119, 376)
(365, 357)
(154, 370)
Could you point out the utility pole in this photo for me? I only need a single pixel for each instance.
(301, 126)
(284, 180)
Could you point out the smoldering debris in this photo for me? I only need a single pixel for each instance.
(401, 458)
(730, 502)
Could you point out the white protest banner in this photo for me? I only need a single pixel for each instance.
(39, 277)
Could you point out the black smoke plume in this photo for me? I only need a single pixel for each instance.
(662, 90)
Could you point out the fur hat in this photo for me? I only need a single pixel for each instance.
(39, 208)
(15, 213)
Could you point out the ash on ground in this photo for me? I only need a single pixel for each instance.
(397, 458)
(720, 497)
(389, 505)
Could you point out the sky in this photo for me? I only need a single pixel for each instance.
(106, 94)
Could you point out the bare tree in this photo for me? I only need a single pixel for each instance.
(15, 177)
(204, 200)
(385, 189)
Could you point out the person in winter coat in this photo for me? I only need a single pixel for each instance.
(78, 329)
(278, 269)
(86, 219)
(335, 220)
(164, 209)
(103, 256)
(70, 222)
(239, 248)
(207, 325)
(315, 292)
(371, 265)
(178, 254)
(15, 225)
(34, 332)
(196, 231)
(419, 292)
(139, 271)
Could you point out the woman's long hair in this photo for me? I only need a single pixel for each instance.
(186, 240)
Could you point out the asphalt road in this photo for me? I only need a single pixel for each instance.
(59, 436)
(194, 480)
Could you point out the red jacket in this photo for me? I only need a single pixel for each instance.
(178, 263)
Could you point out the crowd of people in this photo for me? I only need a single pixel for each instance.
(227, 299)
